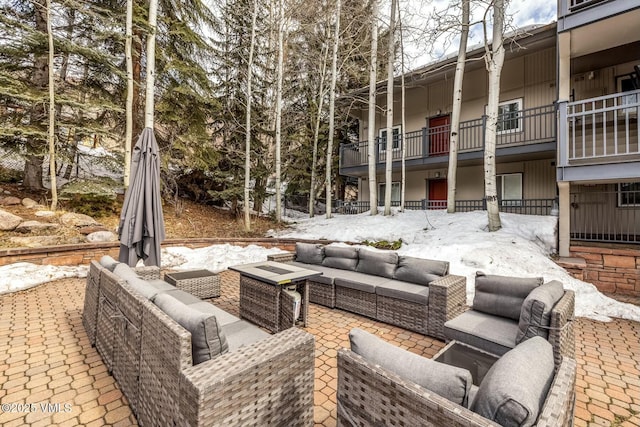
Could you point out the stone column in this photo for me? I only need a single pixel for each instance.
(564, 223)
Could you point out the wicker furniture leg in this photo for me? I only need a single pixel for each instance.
(447, 299)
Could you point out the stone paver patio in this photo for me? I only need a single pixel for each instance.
(50, 375)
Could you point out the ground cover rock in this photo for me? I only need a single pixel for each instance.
(10, 201)
(45, 214)
(102, 236)
(29, 203)
(35, 226)
(8, 221)
(36, 241)
(71, 219)
(91, 229)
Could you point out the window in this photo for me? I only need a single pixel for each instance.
(382, 146)
(627, 84)
(628, 194)
(510, 189)
(509, 116)
(395, 193)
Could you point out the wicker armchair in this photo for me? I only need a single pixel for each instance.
(369, 395)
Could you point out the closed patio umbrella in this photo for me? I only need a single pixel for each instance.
(141, 228)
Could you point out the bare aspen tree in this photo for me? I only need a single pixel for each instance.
(151, 64)
(52, 114)
(371, 130)
(403, 113)
(128, 136)
(247, 158)
(316, 132)
(457, 105)
(494, 59)
(332, 105)
(278, 141)
(389, 139)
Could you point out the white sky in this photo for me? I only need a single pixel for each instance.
(521, 248)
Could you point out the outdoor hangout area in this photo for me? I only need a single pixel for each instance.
(284, 341)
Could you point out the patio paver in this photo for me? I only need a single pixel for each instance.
(50, 375)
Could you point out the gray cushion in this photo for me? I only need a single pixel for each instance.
(223, 318)
(419, 270)
(242, 333)
(514, 389)
(378, 263)
(108, 262)
(535, 316)
(448, 381)
(207, 338)
(161, 285)
(125, 272)
(342, 257)
(310, 253)
(503, 295)
(182, 296)
(404, 291)
(359, 281)
(328, 274)
(493, 334)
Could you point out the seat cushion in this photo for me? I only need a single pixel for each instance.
(419, 270)
(309, 253)
(515, 388)
(502, 295)
(207, 338)
(342, 257)
(535, 316)
(182, 296)
(242, 333)
(404, 291)
(359, 281)
(493, 334)
(378, 263)
(328, 273)
(223, 318)
(448, 381)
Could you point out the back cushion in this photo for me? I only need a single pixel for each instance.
(419, 270)
(108, 262)
(514, 390)
(207, 338)
(377, 263)
(342, 257)
(535, 316)
(448, 381)
(309, 253)
(502, 295)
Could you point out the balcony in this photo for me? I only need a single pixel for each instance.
(599, 131)
(516, 129)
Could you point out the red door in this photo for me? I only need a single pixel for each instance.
(437, 194)
(439, 130)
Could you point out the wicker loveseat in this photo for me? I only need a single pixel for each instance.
(257, 379)
(413, 293)
(380, 384)
(507, 310)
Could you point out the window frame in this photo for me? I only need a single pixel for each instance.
(399, 138)
(381, 186)
(517, 118)
(510, 202)
(626, 99)
(621, 192)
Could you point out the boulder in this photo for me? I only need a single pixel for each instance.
(35, 226)
(77, 220)
(91, 229)
(35, 241)
(29, 203)
(8, 221)
(10, 201)
(45, 214)
(102, 236)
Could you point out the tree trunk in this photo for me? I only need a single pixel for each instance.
(404, 121)
(371, 129)
(332, 105)
(494, 61)
(52, 114)
(136, 104)
(128, 135)
(151, 64)
(279, 77)
(316, 132)
(247, 159)
(455, 111)
(389, 144)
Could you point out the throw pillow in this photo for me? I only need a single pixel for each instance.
(503, 295)
(514, 390)
(207, 338)
(309, 253)
(420, 271)
(447, 381)
(535, 316)
(377, 263)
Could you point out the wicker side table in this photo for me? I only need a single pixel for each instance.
(200, 283)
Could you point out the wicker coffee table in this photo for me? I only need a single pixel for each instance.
(200, 283)
(263, 297)
(476, 361)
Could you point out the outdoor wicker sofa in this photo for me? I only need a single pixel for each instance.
(257, 379)
(507, 310)
(375, 387)
(413, 293)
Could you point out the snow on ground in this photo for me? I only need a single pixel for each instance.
(521, 248)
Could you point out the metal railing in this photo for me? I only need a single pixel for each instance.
(523, 206)
(529, 126)
(599, 216)
(601, 129)
(578, 4)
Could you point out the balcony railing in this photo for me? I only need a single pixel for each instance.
(520, 206)
(529, 126)
(600, 130)
(578, 4)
